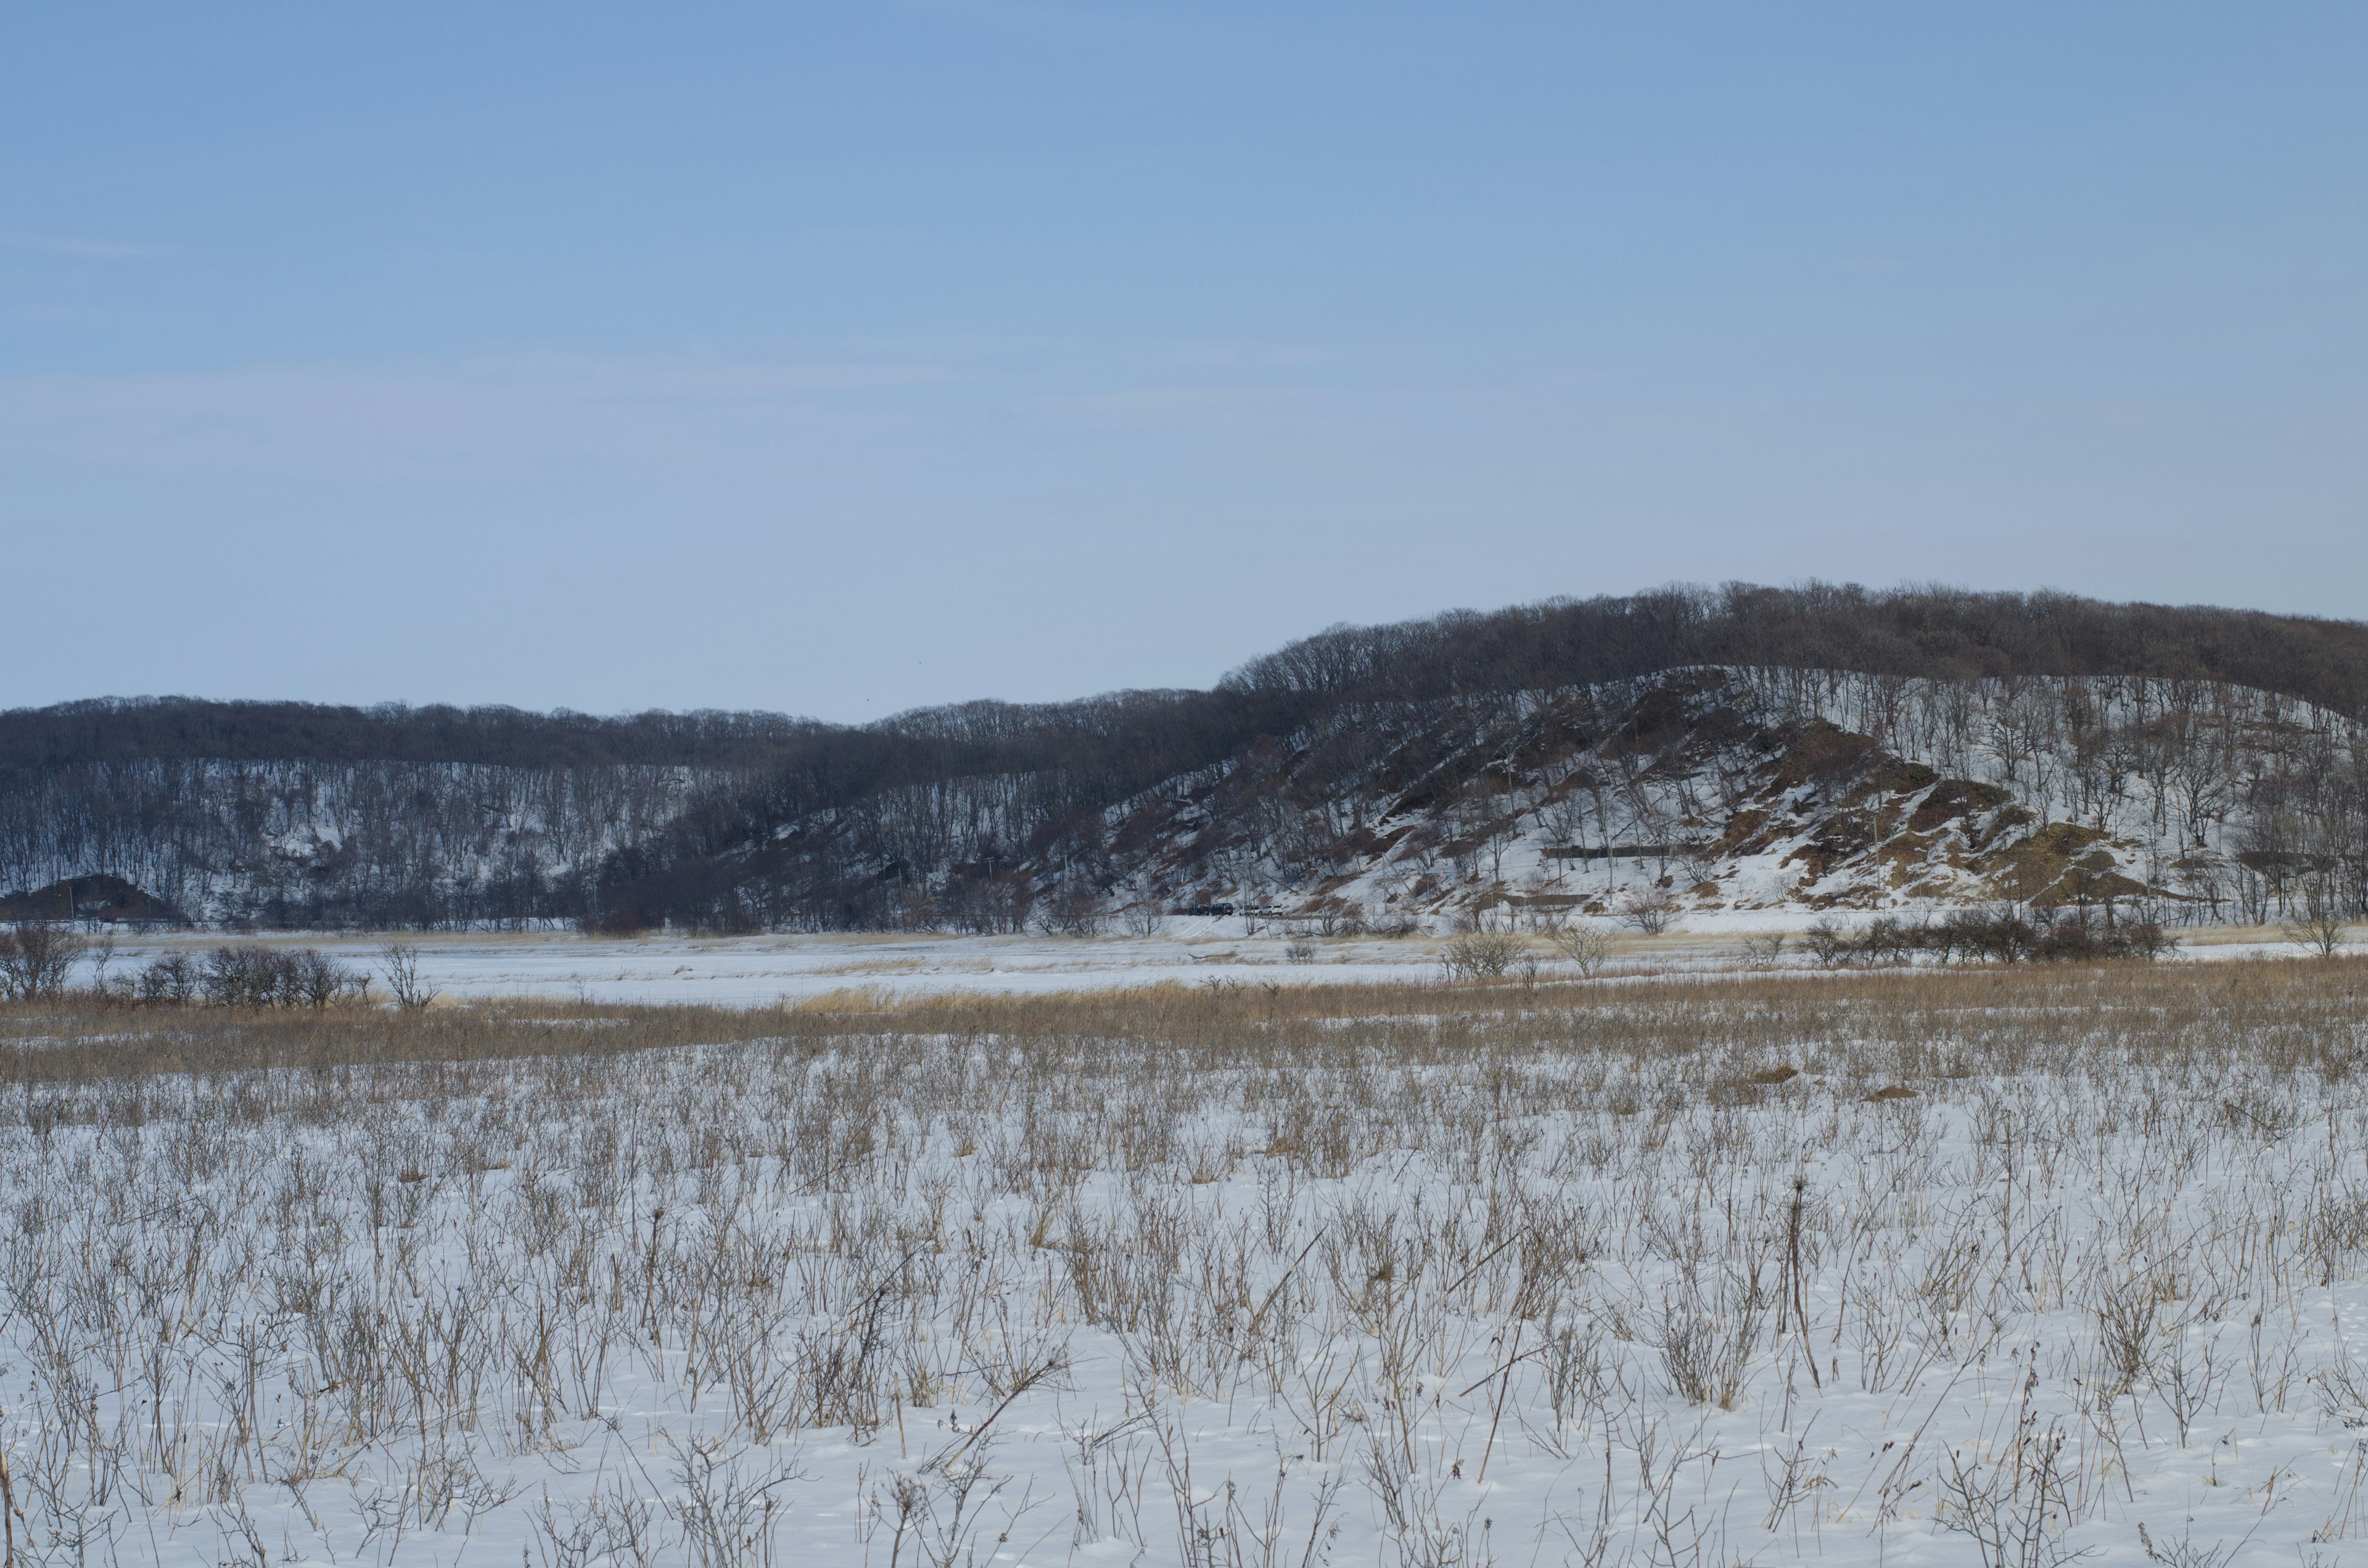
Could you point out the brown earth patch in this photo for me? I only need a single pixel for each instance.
(2055, 864)
(1952, 800)
(1824, 754)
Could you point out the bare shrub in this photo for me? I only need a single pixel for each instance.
(245, 976)
(2187, 1552)
(1649, 911)
(171, 980)
(399, 961)
(36, 959)
(1828, 944)
(1706, 1344)
(1481, 955)
(1583, 946)
(2319, 927)
(252, 975)
(1074, 909)
(730, 1507)
(315, 980)
(2015, 1494)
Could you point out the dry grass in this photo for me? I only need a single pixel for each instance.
(2013, 1020)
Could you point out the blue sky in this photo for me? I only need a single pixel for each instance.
(842, 359)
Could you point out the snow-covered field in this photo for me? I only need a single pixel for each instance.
(1898, 1267)
(742, 971)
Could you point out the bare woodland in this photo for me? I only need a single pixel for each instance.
(1738, 748)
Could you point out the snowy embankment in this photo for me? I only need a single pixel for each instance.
(1905, 1268)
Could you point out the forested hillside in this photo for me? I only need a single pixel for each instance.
(1816, 747)
(296, 815)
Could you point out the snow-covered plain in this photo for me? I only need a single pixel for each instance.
(1926, 1269)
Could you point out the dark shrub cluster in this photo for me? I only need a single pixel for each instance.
(252, 975)
(1985, 936)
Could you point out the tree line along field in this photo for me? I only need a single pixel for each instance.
(2003, 1265)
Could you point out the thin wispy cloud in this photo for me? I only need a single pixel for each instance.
(64, 316)
(82, 247)
(479, 417)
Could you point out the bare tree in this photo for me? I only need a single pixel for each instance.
(1584, 947)
(1481, 955)
(316, 979)
(171, 980)
(36, 960)
(1564, 816)
(1074, 909)
(412, 990)
(2319, 927)
(102, 953)
(1648, 910)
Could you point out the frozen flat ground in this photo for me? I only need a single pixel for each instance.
(2002, 1271)
(760, 970)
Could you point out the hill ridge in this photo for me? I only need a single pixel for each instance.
(984, 814)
